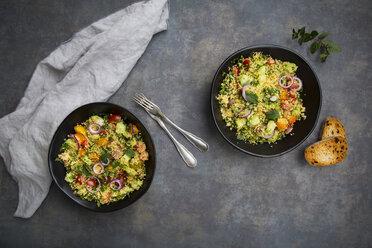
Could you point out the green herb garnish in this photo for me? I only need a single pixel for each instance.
(104, 157)
(64, 146)
(115, 164)
(58, 160)
(252, 97)
(86, 172)
(272, 115)
(325, 47)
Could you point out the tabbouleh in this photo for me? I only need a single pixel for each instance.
(270, 108)
(104, 159)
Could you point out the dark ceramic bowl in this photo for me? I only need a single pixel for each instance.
(58, 171)
(311, 95)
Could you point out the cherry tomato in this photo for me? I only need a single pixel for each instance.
(295, 85)
(91, 183)
(114, 118)
(292, 93)
(246, 62)
(79, 179)
(236, 70)
(85, 144)
(286, 105)
(270, 61)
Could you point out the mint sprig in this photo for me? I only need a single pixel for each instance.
(325, 47)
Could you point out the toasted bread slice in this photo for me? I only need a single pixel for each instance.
(332, 127)
(329, 151)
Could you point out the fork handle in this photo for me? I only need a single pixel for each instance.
(186, 155)
(195, 140)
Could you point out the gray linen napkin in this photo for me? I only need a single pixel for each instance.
(89, 67)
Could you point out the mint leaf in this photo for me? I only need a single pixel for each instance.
(301, 31)
(252, 97)
(314, 47)
(313, 34)
(86, 172)
(323, 35)
(104, 157)
(294, 34)
(332, 47)
(326, 47)
(301, 40)
(272, 115)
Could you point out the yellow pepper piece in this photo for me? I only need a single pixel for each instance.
(102, 142)
(80, 129)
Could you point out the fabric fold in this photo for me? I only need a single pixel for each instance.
(89, 67)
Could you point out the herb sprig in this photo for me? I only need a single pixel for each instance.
(325, 47)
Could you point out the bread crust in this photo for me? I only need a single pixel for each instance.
(326, 152)
(332, 127)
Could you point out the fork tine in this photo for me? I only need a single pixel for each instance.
(147, 100)
(141, 103)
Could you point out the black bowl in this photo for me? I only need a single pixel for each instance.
(311, 95)
(58, 171)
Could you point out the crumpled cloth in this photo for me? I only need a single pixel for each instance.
(89, 67)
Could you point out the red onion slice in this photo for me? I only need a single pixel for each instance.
(268, 136)
(284, 86)
(92, 131)
(288, 130)
(300, 82)
(95, 168)
(245, 116)
(77, 142)
(243, 91)
(98, 187)
(120, 185)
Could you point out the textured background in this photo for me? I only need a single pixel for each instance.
(230, 199)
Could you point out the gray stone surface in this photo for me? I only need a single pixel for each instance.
(230, 199)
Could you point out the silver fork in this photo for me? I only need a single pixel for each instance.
(152, 108)
(186, 155)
